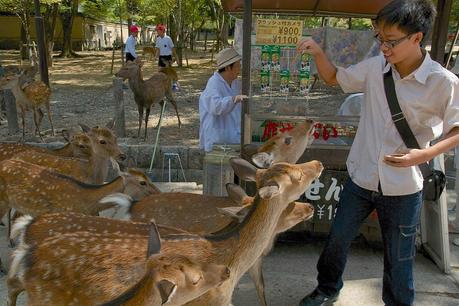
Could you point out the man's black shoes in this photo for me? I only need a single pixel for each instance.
(317, 298)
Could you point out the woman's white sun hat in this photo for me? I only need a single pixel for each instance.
(226, 57)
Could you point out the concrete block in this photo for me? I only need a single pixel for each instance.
(195, 158)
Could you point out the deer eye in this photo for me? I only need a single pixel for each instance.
(102, 142)
(288, 140)
(143, 183)
(197, 280)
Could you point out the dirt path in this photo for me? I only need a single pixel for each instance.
(83, 92)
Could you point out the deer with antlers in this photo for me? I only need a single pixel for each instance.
(29, 95)
(151, 91)
(56, 265)
(237, 247)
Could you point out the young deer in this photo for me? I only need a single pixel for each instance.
(29, 97)
(283, 147)
(99, 140)
(35, 190)
(148, 92)
(238, 248)
(55, 272)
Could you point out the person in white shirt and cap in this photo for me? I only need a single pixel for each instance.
(129, 50)
(220, 103)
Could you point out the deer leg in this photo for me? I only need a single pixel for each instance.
(14, 288)
(174, 103)
(36, 120)
(40, 117)
(161, 105)
(140, 108)
(49, 117)
(23, 123)
(147, 115)
(256, 273)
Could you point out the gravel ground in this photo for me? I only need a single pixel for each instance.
(83, 92)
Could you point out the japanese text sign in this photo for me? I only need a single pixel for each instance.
(278, 31)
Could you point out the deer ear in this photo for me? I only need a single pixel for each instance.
(250, 149)
(262, 160)
(236, 193)
(154, 240)
(84, 127)
(167, 290)
(268, 192)
(243, 169)
(236, 213)
(110, 124)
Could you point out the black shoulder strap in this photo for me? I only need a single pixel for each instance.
(400, 121)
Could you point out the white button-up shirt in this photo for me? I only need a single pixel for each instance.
(220, 117)
(429, 99)
(130, 46)
(165, 45)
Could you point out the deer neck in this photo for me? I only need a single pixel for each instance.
(65, 151)
(137, 83)
(19, 94)
(94, 195)
(99, 168)
(254, 236)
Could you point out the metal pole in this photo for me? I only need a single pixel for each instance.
(246, 48)
(440, 31)
(453, 43)
(41, 44)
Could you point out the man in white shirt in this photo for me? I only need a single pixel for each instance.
(129, 50)
(220, 103)
(165, 50)
(383, 173)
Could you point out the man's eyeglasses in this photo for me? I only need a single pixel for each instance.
(390, 44)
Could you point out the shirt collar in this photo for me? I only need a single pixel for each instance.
(421, 74)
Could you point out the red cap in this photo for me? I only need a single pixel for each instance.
(134, 29)
(161, 27)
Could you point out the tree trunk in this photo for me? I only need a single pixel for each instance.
(50, 19)
(67, 18)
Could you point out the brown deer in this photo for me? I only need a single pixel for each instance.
(35, 190)
(148, 92)
(238, 248)
(28, 97)
(283, 147)
(101, 141)
(49, 280)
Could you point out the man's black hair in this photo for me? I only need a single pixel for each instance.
(223, 69)
(410, 16)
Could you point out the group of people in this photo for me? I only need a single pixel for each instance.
(383, 173)
(165, 49)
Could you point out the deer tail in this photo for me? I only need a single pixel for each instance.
(17, 268)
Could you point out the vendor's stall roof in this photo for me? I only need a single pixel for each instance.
(349, 8)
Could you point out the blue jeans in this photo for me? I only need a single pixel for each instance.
(398, 217)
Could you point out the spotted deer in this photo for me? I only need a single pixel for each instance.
(35, 190)
(148, 92)
(238, 247)
(55, 272)
(29, 96)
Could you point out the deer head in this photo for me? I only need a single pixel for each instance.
(104, 142)
(129, 71)
(284, 147)
(282, 179)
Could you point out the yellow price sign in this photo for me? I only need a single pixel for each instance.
(278, 31)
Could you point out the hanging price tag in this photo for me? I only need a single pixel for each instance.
(278, 31)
